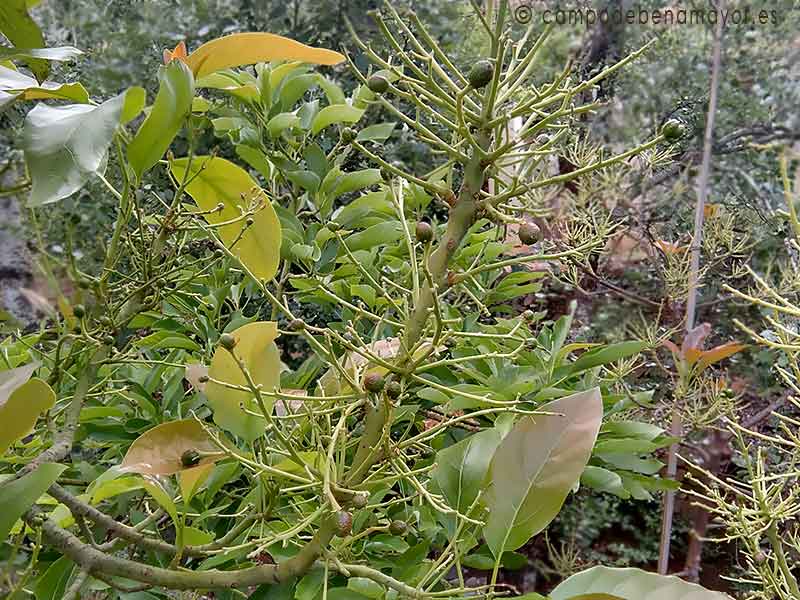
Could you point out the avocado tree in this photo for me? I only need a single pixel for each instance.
(155, 437)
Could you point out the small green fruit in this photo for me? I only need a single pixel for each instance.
(424, 232)
(109, 340)
(481, 74)
(378, 84)
(373, 382)
(349, 135)
(360, 500)
(79, 311)
(398, 527)
(394, 389)
(344, 523)
(673, 130)
(190, 458)
(333, 226)
(227, 341)
(529, 233)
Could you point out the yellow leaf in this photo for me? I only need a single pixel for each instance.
(215, 180)
(22, 400)
(160, 450)
(191, 480)
(235, 410)
(254, 47)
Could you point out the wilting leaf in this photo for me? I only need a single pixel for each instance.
(60, 54)
(233, 409)
(536, 466)
(335, 113)
(158, 451)
(173, 103)
(630, 584)
(65, 145)
(254, 47)
(22, 400)
(23, 32)
(18, 86)
(16, 497)
(215, 180)
(179, 52)
(718, 353)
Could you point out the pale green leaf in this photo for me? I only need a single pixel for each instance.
(59, 54)
(65, 145)
(18, 86)
(631, 584)
(378, 133)
(335, 113)
(536, 466)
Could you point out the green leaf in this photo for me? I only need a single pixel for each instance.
(274, 591)
(215, 180)
(18, 496)
(18, 86)
(167, 339)
(356, 180)
(173, 103)
(158, 451)
(135, 99)
(631, 584)
(65, 145)
(52, 584)
(21, 402)
(281, 122)
(603, 480)
(256, 159)
(606, 355)
(60, 54)
(335, 113)
(115, 487)
(377, 235)
(366, 587)
(255, 346)
(161, 496)
(23, 32)
(536, 466)
(378, 133)
(461, 468)
(192, 536)
(309, 586)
